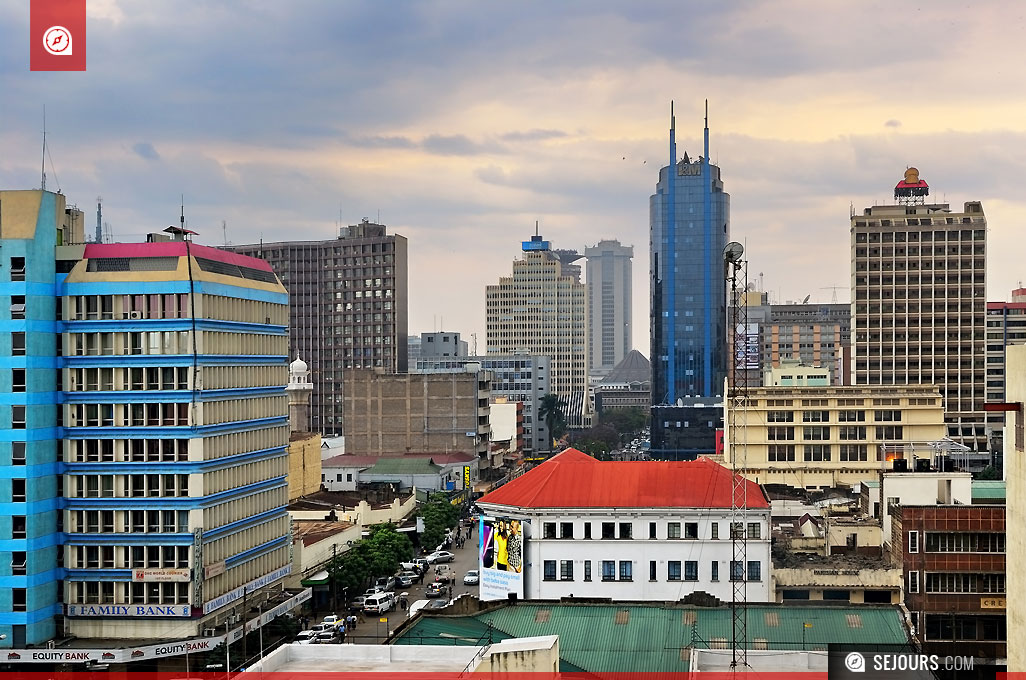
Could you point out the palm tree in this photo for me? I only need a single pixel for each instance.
(551, 411)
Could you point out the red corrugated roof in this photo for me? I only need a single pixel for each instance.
(576, 480)
(172, 249)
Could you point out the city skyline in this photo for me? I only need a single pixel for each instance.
(463, 125)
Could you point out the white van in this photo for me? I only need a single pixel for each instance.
(379, 603)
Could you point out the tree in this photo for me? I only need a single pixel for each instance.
(626, 421)
(551, 411)
(990, 472)
(377, 555)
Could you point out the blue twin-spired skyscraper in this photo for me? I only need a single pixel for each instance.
(689, 217)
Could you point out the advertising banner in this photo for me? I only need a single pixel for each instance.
(161, 575)
(501, 558)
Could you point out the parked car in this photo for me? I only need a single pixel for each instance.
(305, 637)
(385, 583)
(414, 564)
(335, 621)
(380, 603)
(440, 556)
(444, 574)
(434, 590)
(472, 578)
(327, 637)
(321, 627)
(427, 604)
(406, 579)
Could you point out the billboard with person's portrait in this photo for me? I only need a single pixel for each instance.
(501, 558)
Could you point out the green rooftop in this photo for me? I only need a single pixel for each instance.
(654, 638)
(404, 466)
(988, 490)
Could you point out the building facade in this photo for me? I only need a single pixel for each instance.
(348, 308)
(821, 437)
(523, 378)
(393, 413)
(953, 560)
(1006, 325)
(441, 344)
(634, 530)
(812, 334)
(175, 428)
(628, 385)
(540, 310)
(608, 271)
(919, 302)
(689, 219)
(1015, 476)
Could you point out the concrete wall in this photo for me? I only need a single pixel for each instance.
(304, 465)
(306, 559)
(521, 655)
(1015, 476)
(923, 488)
(363, 514)
(857, 581)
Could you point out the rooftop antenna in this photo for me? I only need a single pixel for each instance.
(536, 227)
(182, 218)
(99, 219)
(224, 232)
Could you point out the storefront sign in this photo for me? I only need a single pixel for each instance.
(161, 575)
(992, 602)
(250, 587)
(128, 610)
(212, 570)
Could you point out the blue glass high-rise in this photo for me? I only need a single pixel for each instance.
(689, 218)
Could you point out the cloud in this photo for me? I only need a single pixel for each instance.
(893, 123)
(535, 135)
(457, 145)
(146, 150)
(380, 142)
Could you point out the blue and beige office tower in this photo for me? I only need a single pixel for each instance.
(689, 218)
(147, 431)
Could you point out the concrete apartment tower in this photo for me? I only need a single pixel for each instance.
(348, 308)
(608, 272)
(919, 302)
(542, 310)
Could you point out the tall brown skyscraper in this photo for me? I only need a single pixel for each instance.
(347, 308)
(919, 302)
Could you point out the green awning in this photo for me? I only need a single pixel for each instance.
(318, 579)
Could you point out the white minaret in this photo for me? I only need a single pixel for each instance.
(299, 390)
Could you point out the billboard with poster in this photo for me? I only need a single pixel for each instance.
(501, 557)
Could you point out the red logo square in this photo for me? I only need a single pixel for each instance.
(58, 35)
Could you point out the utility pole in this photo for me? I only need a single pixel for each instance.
(334, 581)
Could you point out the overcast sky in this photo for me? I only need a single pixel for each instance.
(464, 122)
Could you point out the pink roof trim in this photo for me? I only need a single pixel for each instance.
(172, 249)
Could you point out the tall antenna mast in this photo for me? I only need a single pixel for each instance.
(224, 231)
(182, 218)
(99, 219)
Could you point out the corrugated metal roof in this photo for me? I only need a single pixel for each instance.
(650, 638)
(986, 489)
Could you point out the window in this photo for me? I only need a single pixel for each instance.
(18, 417)
(19, 563)
(851, 416)
(780, 417)
(913, 581)
(691, 530)
(889, 432)
(18, 524)
(754, 531)
(566, 530)
(549, 568)
(625, 529)
(18, 599)
(652, 570)
(17, 269)
(587, 570)
(780, 434)
(755, 571)
(965, 542)
(816, 433)
(338, 477)
(673, 530)
(815, 416)
(626, 571)
(18, 343)
(349, 477)
(17, 306)
(715, 531)
(715, 570)
(854, 452)
(17, 453)
(737, 530)
(608, 570)
(852, 432)
(17, 490)
(673, 571)
(587, 529)
(691, 570)
(887, 416)
(781, 453)
(549, 530)
(651, 529)
(737, 570)
(566, 570)
(817, 452)
(608, 530)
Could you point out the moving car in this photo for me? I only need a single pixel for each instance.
(440, 556)
(434, 590)
(472, 578)
(444, 574)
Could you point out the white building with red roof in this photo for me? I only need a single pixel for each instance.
(638, 530)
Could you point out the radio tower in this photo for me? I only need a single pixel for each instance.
(736, 271)
(99, 220)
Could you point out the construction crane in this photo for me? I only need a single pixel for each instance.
(834, 289)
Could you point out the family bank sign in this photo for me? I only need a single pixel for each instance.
(128, 610)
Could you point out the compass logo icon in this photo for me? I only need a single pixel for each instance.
(57, 41)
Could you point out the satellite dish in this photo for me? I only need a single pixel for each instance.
(733, 252)
(806, 300)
